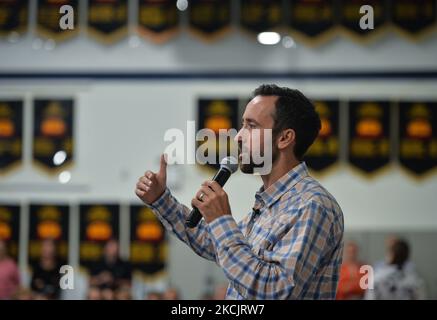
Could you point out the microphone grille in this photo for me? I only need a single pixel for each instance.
(230, 163)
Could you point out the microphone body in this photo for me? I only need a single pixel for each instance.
(228, 166)
(220, 177)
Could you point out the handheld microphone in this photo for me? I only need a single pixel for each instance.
(227, 167)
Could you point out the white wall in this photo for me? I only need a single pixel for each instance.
(236, 52)
(120, 129)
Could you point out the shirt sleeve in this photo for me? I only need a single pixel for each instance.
(173, 214)
(278, 274)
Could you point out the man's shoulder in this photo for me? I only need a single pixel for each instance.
(308, 193)
(310, 190)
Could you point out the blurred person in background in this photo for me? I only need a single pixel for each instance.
(220, 292)
(153, 295)
(23, 294)
(9, 274)
(112, 271)
(123, 293)
(45, 274)
(395, 280)
(171, 293)
(390, 240)
(107, 293)
(349, 283)
(94, 293)
(206, 296)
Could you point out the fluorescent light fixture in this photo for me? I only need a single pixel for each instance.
(269, 38)
(182, 5)
(59, 158)
(64, 177)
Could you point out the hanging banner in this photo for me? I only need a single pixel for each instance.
(418, 137)
(313, 21)
(324, 152)
(413, 18)
(158, 20)
(148, 244)
(53, 134)
(209, 19)
(261, 15)
(11, 134)
(98, 224)
(10, 228)
(218, 116)
(369, 135)
(107, 20)
(356, 24)
(48, 222)
(14, 15)
(48, 19)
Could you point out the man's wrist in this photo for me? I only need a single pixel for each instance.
(160, 200)
(211, 219)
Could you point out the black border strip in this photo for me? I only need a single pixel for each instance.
(164, 76)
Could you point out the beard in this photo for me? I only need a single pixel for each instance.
(250, 167)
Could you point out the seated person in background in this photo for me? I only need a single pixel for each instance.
(45, 275)
(349, 283)
(153, 295)
(389, 241)
(112, 272)
(220, 292)
(9, 274)
(123, 293)
(107, 293)
(23, 294)
(94, 293)
(395, 280)
(171, 293)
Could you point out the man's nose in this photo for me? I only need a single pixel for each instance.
(238, 137)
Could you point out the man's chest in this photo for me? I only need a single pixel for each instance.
(267, 228)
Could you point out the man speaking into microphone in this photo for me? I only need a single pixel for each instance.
(290, 244)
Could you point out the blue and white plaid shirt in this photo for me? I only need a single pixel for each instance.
(289, 247)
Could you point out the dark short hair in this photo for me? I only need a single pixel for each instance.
(400, 251)
(294, 111)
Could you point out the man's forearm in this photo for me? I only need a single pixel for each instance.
(173, 214)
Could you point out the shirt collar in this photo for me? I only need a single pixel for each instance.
(269, 196)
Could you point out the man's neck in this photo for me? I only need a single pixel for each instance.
(279, 169)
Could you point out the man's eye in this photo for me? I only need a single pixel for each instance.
(248, 125)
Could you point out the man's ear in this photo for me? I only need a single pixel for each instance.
(286, 138)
